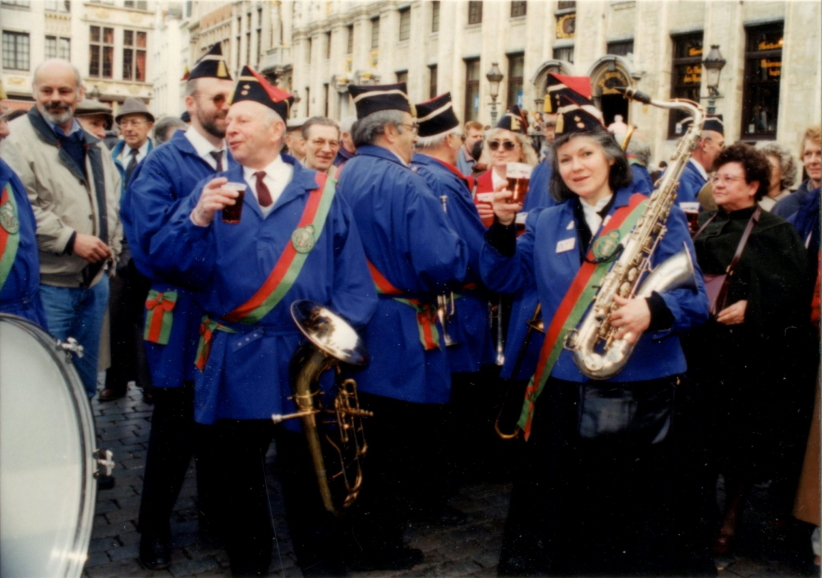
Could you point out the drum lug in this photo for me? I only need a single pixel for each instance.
(104, 459)
(71, 345)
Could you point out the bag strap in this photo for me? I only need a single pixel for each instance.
(744, 240)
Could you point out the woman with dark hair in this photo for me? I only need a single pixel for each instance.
(602, 488)
(749, 358)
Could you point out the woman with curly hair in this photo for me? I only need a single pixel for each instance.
(783, 174)
(748, 358)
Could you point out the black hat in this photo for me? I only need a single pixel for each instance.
(211, 65)
(574, 88)
(712, 122)
(514, 120)
(253, 86)
(371, 99)
(570, 98)
(436, 116)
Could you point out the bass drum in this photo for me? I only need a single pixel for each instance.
(47, 440)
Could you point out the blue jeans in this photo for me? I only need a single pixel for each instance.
(78, 312)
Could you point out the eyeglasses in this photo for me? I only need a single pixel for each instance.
(132, 122)
(727, 179)
(412, 127)
(508, 145)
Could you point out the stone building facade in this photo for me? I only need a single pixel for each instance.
(769, 89)
(109, 41)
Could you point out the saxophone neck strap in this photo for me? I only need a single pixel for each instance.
(577, 299)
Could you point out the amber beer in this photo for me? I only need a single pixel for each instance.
(519, 176)
(232, 213)
(691, 211)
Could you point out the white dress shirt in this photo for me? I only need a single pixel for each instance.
(592, 213)
(125, 154)
(205, 148)
(277, 176)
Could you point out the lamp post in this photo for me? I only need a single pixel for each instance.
(713, 64)
(494, 77)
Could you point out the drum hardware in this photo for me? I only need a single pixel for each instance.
(104, 459)
(72, 345)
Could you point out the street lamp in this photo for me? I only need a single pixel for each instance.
(713, 64)
(494, 77)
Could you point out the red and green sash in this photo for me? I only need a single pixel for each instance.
(293, 258)
(426, 312)
(575, 303)
(207, 328)
(285, 271)
(159, 316)
(9, 232)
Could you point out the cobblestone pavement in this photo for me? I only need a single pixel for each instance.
(471, 549)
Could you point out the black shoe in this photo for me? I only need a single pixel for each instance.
(155, 552)
(402, 558)
(110, 394)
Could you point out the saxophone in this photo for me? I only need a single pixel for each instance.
(336, 443)
(596, 350)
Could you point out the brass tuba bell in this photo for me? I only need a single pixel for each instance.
(334, 435)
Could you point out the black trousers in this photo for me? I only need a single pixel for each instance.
(171, 445)
(244, 509)
(404, 472)
(128, 293)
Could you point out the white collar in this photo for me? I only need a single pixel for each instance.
(699, 168)
(591, 213)
(201, 144)
(273, 169)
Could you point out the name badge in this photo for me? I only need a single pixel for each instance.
(566, 245)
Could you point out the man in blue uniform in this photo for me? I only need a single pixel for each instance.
(172, 319)
(414, 255)
(19, 261)
(470, 347)
(293, 238)
(708, 147)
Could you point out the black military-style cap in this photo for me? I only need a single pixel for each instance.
(211, 65)
(253, 86)
(436, 116)
(514, 120)
(371, 99)
(570, 98)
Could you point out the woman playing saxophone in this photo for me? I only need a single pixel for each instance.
(602, 488)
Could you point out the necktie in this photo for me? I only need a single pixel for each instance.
(218, 156)
(132, 164)
(263, 194)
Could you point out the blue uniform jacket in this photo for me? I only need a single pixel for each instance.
(20, 294)
(690, 183)
(246, 376)
(525, 301)
(642, 179)
(407, 238)
(469, 327)
(158, 185)
(537, 261)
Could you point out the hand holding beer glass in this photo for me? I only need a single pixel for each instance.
(518, 176)
(691, 211)
(219, 195)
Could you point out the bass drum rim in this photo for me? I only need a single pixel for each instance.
(76, 557)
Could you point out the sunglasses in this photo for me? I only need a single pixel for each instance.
(508, 145)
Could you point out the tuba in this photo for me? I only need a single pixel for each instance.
(334, 435)
(596, 350)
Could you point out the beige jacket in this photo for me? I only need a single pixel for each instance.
(64, 201)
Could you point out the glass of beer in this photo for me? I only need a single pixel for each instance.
(691, 211)
(518, 175)
(232, 213)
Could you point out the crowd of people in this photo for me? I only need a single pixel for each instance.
(174, 261)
